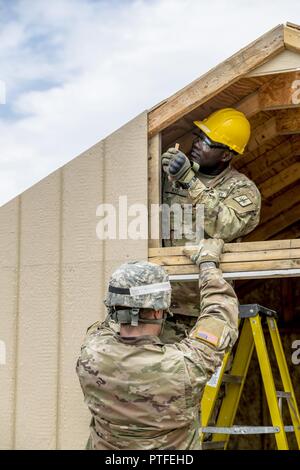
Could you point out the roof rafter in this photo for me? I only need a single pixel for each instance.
(214, 81)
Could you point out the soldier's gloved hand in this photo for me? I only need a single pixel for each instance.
(181, 169)
(209, 250)
(167, 157)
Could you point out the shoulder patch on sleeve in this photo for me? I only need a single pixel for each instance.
(243, 200)
(209, 330)
(243, 203)
(206, 336)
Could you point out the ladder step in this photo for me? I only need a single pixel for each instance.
(234, 379)
(246, 429)
(280, 394)
(210, 445)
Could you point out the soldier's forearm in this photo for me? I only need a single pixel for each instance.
(217, 324)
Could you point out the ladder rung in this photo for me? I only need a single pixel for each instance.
(235, 379)
(283, 394)
(211, 445)
(246, 429)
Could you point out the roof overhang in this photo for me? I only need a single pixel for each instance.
(281, 39)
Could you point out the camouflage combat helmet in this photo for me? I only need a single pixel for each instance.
(136, 285)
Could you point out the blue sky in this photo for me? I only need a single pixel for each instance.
(76, 70)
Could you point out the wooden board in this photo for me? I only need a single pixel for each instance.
(216, 80)
(237, 257)
(154, 190)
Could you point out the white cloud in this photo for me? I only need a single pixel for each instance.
(76, 71)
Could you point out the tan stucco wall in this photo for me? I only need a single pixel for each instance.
(53, 273)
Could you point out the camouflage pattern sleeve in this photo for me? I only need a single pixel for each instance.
(216, 328)
(232, 217)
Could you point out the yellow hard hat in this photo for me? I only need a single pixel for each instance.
(227, 126)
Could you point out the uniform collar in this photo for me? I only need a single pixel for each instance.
(214, 181)
(138, 340)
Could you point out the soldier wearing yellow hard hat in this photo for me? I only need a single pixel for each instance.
(205, 176)
(227, 127)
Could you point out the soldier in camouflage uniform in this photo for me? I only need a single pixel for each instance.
(143, 393)
(231, 201)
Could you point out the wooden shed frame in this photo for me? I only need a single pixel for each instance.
(271, 64)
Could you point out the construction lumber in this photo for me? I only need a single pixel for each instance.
(271, 228)
(154, 189)
(220, 77)
(249, 157)
(278, 93)
(273, 161)
(263, 133)
(282, 180)
(291, 35)
(268, 257)
(279, 205)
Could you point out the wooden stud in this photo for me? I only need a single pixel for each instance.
(154, 191)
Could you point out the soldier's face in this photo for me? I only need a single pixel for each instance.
(206, 156)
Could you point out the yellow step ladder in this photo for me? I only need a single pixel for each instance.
(251, 335)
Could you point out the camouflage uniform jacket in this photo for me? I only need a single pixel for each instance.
(231, 204)
(144, 394)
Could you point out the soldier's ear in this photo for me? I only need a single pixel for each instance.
(227, 156)
(158, 314)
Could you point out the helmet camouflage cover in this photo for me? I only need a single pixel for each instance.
(139, 284)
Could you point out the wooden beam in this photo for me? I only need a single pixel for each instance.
(239, 267)
(271, 163)
(230, 247)
(288, 24)
(277, 183)
(249, 105)
(293, 231)
(243, 256)
(237, 258)
(214, 81)
(279, 205)
(263, 133)
(284, 122)
(271, 228)
(154, 190)
(246, 275)
(291, 37)
(247, 157)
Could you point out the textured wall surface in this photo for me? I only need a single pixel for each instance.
(53, 272)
